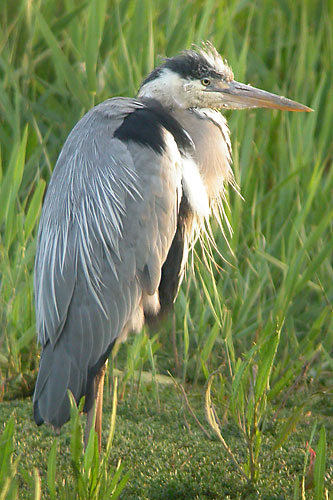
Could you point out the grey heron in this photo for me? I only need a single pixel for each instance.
(134, 181)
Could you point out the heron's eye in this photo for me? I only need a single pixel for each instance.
(205, 82)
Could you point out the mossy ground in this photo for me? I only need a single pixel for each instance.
(167, 455)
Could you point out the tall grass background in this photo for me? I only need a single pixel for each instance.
(58, 59)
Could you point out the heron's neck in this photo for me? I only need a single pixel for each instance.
(210, 134)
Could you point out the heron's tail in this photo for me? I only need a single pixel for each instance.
(58, 372)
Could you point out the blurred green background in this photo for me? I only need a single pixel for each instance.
(58, 59)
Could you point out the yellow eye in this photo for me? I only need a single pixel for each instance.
(205, 82)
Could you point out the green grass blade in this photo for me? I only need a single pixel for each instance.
(267, 354)
(34, 208)
(13, 178)
(319, 467)
(37, 485)
(288, 427)
(62, 64)
(96, 18)
(240, 372)
(51, 470)
(113, 417)
(6, 450)
(209, 343)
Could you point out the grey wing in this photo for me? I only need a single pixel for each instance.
(108, 221)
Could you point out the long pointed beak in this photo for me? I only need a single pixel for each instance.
(238, 95)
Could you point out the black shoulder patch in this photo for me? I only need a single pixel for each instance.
(145, 126)
(172, 270)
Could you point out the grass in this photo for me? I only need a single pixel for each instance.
(59, 59)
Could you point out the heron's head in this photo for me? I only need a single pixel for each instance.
(202, 79)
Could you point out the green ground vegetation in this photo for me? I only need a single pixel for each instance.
(168, 456)
(256, 328)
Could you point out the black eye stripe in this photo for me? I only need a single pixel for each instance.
(189, 65)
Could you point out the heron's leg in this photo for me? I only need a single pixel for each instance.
(98, 390)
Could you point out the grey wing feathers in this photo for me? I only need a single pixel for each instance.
(109, 217)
